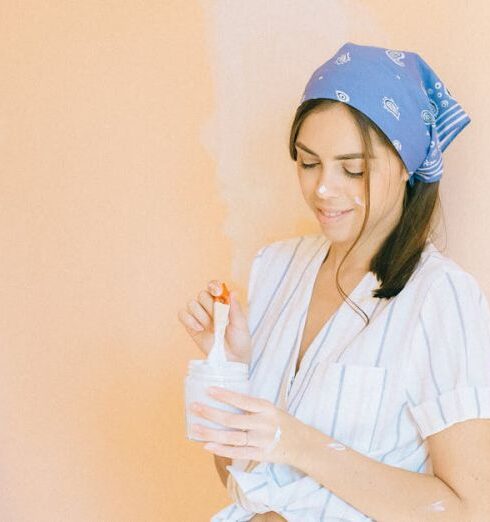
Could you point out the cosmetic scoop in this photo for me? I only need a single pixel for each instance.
(221, 311)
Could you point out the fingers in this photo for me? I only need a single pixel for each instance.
(214, 286)
(239, 421)
(232, 438)
(190, 323)
(199, 313)
(206, 302)
(199, 309)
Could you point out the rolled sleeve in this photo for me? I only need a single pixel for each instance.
(448, 373)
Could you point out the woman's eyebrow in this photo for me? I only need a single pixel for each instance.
(353, 155)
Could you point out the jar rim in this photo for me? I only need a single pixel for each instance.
(228, 369)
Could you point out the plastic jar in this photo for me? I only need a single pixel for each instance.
(230, 375)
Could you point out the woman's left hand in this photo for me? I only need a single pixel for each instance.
(273, 434)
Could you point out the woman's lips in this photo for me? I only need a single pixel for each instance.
(323, 218)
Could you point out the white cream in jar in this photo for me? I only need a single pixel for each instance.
(201, 374)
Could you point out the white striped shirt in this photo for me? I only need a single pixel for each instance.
(421, 365)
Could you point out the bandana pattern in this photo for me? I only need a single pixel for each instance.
(402, 94)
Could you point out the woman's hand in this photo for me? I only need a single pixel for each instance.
(273, 434)
(199, 324)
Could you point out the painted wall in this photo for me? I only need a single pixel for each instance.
(143, 152)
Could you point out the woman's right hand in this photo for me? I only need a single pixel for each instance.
(199, 324)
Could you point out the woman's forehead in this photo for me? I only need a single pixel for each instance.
(335, 133)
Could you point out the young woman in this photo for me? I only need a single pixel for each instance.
(369, 350)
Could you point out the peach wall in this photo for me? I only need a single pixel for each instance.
(144, 152)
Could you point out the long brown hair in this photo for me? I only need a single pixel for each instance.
(400, 252)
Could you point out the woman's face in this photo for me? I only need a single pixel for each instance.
(332, 136)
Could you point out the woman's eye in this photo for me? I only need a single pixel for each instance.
(308, 165)
(348, 172)
(353, 174)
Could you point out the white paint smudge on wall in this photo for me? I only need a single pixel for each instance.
(261, 55)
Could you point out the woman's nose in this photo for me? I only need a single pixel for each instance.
(324, 190)
(328, 184)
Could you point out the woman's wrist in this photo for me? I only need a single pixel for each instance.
(233, 358)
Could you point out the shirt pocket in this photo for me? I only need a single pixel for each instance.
(352, 399)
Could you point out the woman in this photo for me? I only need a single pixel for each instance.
(369, 399)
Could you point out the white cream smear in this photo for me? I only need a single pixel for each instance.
(337, 446)
(358, 201)
(322, 189)
(437, 506)
(275, 441)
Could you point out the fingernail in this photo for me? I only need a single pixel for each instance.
(214, 288)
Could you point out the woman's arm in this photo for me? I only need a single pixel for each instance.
(221, 463)
(386, 493)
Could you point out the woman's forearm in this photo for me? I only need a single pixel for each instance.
(379, 490)
(221, 463)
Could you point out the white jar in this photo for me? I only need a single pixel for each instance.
(230, 375)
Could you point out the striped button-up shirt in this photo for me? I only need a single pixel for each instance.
(421, 365)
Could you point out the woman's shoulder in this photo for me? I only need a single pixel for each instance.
(439, 273)
(278, 261)
(283, 259)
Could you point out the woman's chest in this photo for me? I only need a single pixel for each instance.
(350, 384)
(324, 303)
(352, 389)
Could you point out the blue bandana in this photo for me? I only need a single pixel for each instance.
(399, 92)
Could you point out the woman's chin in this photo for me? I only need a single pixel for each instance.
(337, 236)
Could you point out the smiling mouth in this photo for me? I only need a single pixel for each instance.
(334, 217)
(333, 214)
